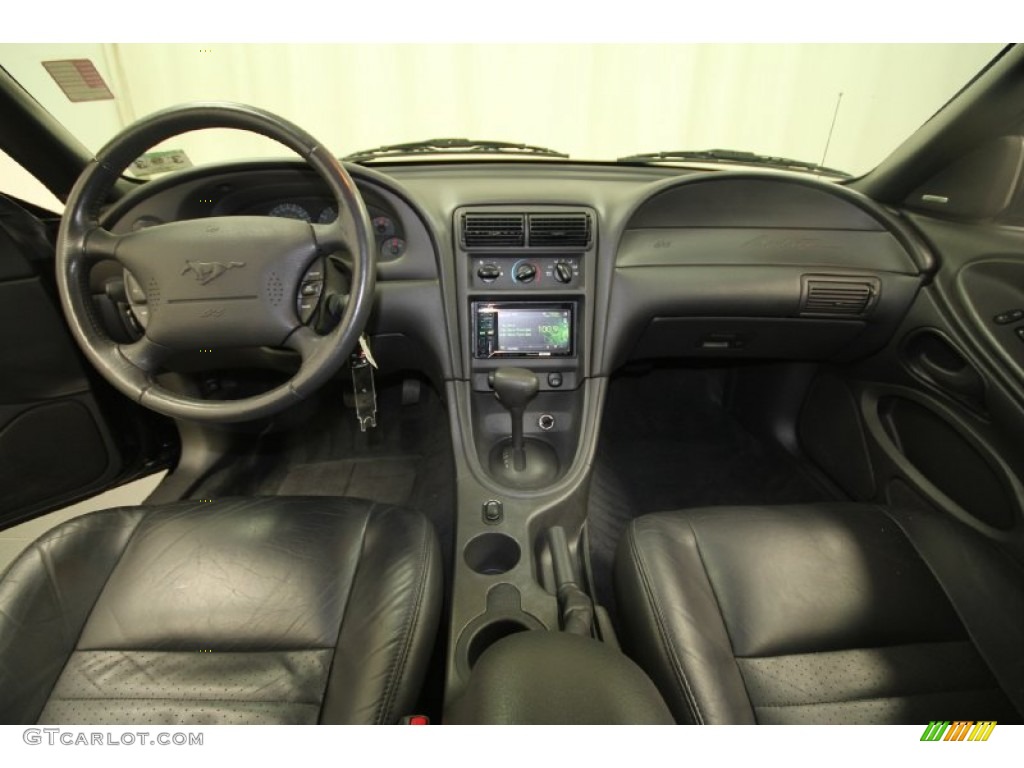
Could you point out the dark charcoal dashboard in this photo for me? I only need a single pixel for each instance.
(694, 265)
(537, 281)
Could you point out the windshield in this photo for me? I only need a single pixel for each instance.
(841, 106)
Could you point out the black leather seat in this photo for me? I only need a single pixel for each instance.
(274, 610)
(832, 613)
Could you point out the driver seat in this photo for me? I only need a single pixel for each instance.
(266, 610)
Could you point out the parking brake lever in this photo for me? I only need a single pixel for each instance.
(576, 609)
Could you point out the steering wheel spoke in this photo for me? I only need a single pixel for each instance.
(145, 354)
(305, 341)
(101, 244)
(344, 260)
(338, 241)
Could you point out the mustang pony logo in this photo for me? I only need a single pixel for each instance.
(206, 271)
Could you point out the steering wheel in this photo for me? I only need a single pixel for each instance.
(215, 282)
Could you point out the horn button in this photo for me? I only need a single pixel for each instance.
(219, 282)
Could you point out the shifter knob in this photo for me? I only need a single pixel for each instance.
(517, 461)
(514, 387)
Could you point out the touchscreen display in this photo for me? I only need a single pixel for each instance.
(535, 331)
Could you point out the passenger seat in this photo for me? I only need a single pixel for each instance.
(827, 613)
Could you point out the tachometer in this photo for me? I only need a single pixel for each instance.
(290, 211)
(327, 215)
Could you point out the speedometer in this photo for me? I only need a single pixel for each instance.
(290, 211)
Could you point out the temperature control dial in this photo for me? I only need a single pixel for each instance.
(524, 272)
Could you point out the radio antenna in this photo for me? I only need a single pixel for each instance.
(832, 127)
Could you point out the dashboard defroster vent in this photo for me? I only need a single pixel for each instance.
(838, 296)
(487, 230)
(565, 230)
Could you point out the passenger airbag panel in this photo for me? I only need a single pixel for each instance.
(817, 249)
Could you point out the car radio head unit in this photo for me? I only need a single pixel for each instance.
(524, 329)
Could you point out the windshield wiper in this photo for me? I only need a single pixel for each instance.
(450, 146)
(733, 156)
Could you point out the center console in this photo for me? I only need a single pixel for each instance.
(525, 412)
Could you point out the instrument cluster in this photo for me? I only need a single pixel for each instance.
(391, 243)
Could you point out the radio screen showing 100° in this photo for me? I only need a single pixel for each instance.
(524, 330)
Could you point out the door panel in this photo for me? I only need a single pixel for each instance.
(57, 443)
(992, 292)
(939, 417)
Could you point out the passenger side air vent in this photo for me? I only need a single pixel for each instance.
(566, 230)
(489, 230)
(838, 296)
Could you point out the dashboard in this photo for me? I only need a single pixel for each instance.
(671, 263)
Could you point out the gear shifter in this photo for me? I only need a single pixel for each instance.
(515, 388)
(517, 460)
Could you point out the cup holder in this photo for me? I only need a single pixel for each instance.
(492, 554)
(489, 634)
(487, 629)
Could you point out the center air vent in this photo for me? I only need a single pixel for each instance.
(556, 230)
(488, 230)
(837, 296)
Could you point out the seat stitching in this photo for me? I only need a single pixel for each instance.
(721, 613)
(176, 698)
(272, 649)
(408, 631)
(859, 699)
(676, 665)
(344, 614)
(966, 643)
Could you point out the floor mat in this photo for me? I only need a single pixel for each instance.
(668, 442)
(387, 480)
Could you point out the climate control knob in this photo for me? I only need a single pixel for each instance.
(524, 272)
(563, 272)
(488, 272)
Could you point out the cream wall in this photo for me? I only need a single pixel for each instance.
(94, 121)
(16, 181)
(592, 101)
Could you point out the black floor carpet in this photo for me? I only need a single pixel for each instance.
(668, 441)
(405, 460)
